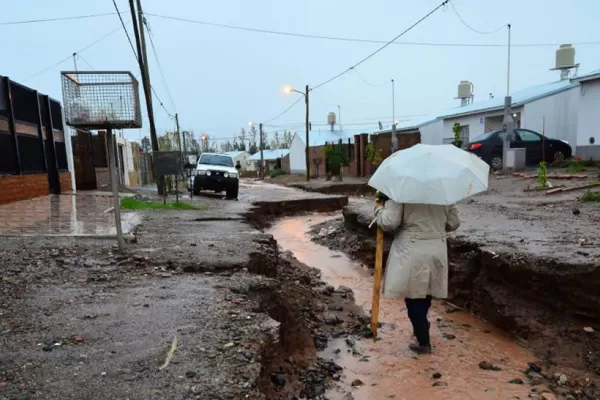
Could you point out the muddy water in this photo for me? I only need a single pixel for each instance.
(394, 372)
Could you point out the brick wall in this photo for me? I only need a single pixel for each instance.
(285, 164)
(66, 185)
(383, 142)
(23, 187)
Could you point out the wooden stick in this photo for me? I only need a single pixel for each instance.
(377, 283)
(571, 189)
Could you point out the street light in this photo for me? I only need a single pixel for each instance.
(288, 89)
(262, 158)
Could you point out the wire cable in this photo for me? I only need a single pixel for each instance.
(69, 57)
(369, 83)
(470, 27)
(137, 59)
(162, 74)
(285, 111)
(33, 21)
(126, 31)
(382, 47)
(85, 61)
(358, 40)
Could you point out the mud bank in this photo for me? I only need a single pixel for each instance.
(549, 305)
(334, 187)
(263, 212)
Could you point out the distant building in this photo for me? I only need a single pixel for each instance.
(241, 156)
(270, 157)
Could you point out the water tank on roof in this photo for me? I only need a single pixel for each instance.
(565, 56)
(331, 118)
(465, 90)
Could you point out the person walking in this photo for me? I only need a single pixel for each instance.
(417, 266)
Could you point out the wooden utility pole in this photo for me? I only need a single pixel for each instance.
(142, 60)
(307, 137)
(262, 158)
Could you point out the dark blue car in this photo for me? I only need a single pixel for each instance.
(489, 147)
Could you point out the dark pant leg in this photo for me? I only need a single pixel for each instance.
(419, 308)
(411, 313)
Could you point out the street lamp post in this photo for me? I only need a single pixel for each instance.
(261, 145)
(289, 89)
(508, 119)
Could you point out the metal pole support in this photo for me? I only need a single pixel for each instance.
(115, 188)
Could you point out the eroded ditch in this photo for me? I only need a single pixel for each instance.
(550, 308)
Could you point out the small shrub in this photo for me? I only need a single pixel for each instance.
(276, 172)
(575, 165)
(542, 172)
(590, 196)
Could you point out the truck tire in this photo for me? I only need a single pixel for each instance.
(233, 192)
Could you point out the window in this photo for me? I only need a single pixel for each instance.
(528, 136)
(215, 159)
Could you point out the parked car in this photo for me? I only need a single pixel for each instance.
(215, 172)
(489, 147)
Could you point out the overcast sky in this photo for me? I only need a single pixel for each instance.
(222, 78)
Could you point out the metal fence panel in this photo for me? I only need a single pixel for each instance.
(167, 163)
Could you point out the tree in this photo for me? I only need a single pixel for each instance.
(236, 145)
(242, 140)
(276, 142)
(226, 146)
(286, 140)
(336, 157)
(252, 144)
(146, 146)
(265, 141)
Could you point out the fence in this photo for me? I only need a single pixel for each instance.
(32, 139)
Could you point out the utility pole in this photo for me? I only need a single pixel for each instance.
(178, 135)
(142, 60)
(307, 136)
(394, 137)
(262, 157)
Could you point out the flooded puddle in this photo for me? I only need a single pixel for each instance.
(460, 340)
(64, 215)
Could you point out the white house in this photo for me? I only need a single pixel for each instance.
(551, 107)
(588, 116)
(242, 157)
(270, 157)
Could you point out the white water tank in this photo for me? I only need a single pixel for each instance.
(465, 90)
(331, 118)
(565, 56)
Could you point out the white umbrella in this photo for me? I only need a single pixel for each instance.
(431, 174)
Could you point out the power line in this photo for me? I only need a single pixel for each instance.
(69, 57)
(126, 31)
(369, 83)
(284, 111)
(358, 40)
(470, 27)
(136, 57)
(85, 61)
(382, 47)
(32, 21)
(162, 74)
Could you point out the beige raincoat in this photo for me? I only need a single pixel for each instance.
(418, 262)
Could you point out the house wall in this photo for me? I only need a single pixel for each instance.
(475, 122)
(285, 164)
(588, 121)
(297, 155)
(556, 115)
(432, 133)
